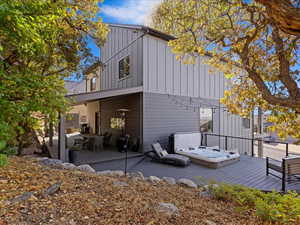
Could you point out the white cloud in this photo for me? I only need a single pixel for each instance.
(131, 11)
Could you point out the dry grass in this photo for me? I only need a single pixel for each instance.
(91, 199)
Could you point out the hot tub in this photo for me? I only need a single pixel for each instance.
(211, 157)
(189, 144)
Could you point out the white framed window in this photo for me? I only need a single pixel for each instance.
(93, 83)
(206, 120)
(124, 67)
(246, 123)
(117, 123)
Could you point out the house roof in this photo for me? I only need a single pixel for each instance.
(145, 29)
(75, 87)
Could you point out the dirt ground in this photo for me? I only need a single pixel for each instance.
(87, 198)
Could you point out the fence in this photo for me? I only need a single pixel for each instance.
(223, 141)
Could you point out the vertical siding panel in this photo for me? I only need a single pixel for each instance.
(153, 65)
(184, 80)
(190, 80)
(176, 69)
(145, 64)
(161, 66)
(169, 71)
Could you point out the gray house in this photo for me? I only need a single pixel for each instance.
(160, 95)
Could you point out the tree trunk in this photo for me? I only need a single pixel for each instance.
(285, 15)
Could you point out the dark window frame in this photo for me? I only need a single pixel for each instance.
(210, 125)
(122, 73)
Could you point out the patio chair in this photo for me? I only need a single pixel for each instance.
(106, 139)
(288, 170)
(160, 155)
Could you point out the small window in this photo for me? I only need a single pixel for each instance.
(117, 123)
(246, 123)
(93, 84)
(206, 120)
(124, 67)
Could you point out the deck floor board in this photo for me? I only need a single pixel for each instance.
(249, 171)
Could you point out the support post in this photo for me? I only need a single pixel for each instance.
(283, 175)
(62, 154)
(226, 146)
(286, 149)
(252, 133)
(260, 131)
(51, 134)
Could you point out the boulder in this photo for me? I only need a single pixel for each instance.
(168, 208)
(209, 222)
(138, 175)
(52, 162)
(153, 179)
(86, 168)
(187, 183)
(118, 183)
(169, 180)
(209, 187)
(118, 173)
(104, 172)
(68, 166)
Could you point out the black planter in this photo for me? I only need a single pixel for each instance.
(73, 155)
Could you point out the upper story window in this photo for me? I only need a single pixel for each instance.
(206, 120)
(246, 123)
(124, 67)
(93, 83)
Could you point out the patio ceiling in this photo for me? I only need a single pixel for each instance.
(77, 99)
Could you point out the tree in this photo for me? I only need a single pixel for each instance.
(41, 43)
(285, 14)
(239, 38)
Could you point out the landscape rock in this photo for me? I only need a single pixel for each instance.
(168, 208)
(68, 166)
(52, 162)
(118, 173)
(187, 183)
(153, 179)
(118, 183)
(209, 222)
(86, 168)
(138, 175)
(105, 172)
(209, 187)
(169, 180)
(53, 189)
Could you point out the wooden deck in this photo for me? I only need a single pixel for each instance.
(249, 171)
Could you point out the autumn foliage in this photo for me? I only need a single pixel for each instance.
(239, 38)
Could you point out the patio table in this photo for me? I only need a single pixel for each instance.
(98, 141)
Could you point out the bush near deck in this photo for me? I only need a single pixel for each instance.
(272, 207)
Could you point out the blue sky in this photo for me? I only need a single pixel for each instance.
(125, 12)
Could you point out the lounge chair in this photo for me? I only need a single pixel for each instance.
(288, 170)
(160, 155)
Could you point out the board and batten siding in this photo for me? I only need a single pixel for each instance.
(162, 117)
(163, 74)
(118, 39)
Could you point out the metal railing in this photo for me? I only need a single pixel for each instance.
(226, 137)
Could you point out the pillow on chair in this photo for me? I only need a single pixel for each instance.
(164, 153)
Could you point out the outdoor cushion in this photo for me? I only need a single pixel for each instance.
(164, 157)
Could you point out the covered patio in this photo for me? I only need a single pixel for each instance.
(249, 171)
(106, 124)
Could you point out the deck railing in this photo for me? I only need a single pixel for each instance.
(226, 137)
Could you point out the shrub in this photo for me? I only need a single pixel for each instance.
(271, 207)
(3, 160)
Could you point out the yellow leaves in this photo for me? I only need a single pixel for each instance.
(229, 75)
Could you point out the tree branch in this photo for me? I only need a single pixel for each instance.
(284, 14)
